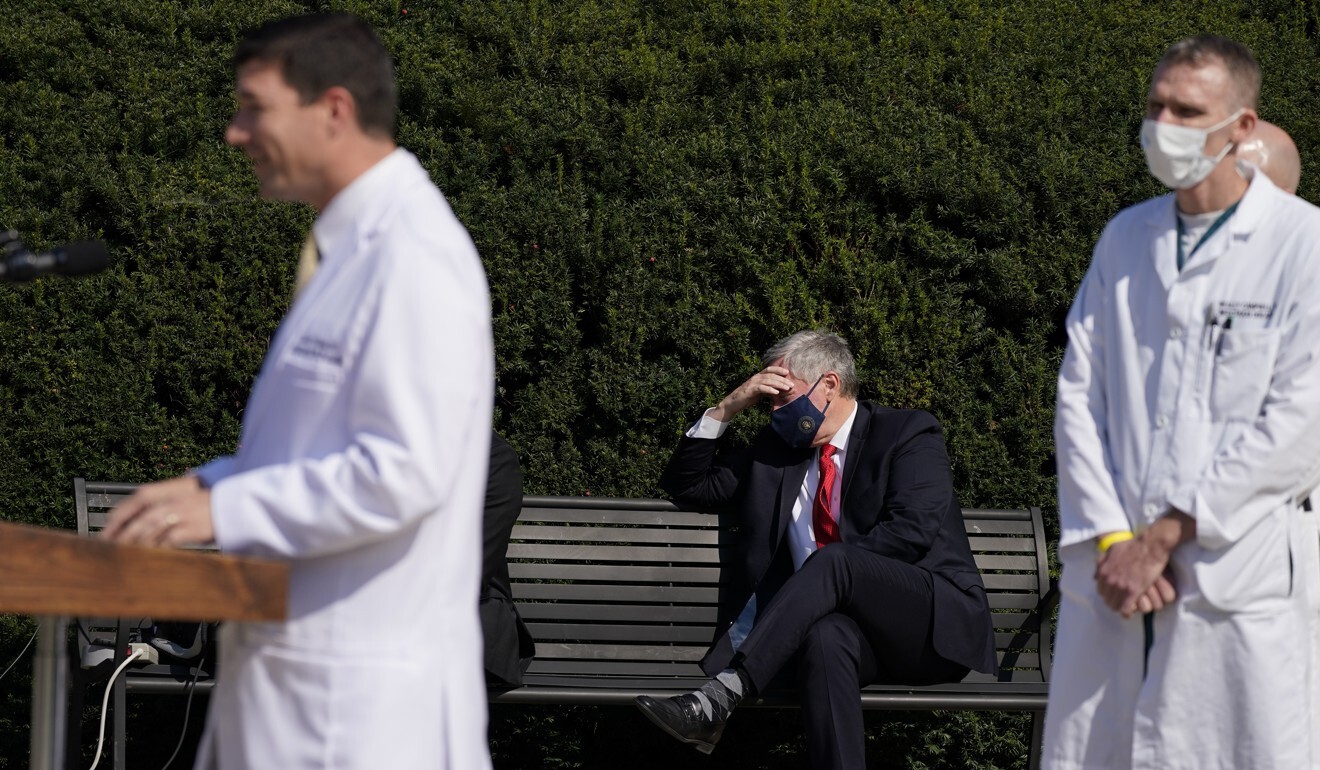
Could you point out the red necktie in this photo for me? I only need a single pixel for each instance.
(823, 522)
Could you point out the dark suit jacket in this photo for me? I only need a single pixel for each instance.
(897, 501)
(509, 645)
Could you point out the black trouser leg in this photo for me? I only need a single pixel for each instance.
(887, 604)
(890, 601)
(835, 659)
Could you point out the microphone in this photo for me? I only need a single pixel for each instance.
(75, 258)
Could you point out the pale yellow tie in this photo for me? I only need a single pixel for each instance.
(309, 258)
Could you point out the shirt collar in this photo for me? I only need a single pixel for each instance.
(840, 439)
(335, 230)
(1259, 199)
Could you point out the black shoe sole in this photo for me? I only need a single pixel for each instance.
(705, 747)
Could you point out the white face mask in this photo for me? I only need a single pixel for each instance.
(1176, 155)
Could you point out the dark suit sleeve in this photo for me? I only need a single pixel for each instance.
(918, 492)
(503, 504)
(508, 643)
(696, 477)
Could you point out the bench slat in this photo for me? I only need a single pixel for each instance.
(998, 514)
(106, 500)
(634, 682)
(683, 677)
(607, 517)
(1005, 677)
(1002, 600)
(992, 544)
(630, 554)
(551, 632)
(615, 573)
(619, 633)
(1007, 620)
(598, 652)
(1000, 562)
(994, 582)
(617, 593)
(1027, 660)
(974, 683)
(987, 527)
(619, 612)
(1019, 640)
(588, 667)
(526, 532)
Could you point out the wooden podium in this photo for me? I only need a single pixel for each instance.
(56, 574)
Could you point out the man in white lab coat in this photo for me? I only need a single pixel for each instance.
(1188, 418)
(365, 441)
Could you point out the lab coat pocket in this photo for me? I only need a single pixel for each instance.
(1243, 363)
(1256, 568)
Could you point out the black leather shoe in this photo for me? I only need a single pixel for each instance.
(681, 717)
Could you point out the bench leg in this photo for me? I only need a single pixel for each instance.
(120, 736)
(73, 714)
(1037, 740)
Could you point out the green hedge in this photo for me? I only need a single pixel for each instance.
(658, 190)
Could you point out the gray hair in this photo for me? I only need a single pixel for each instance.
(1200, 50)
(811, 353)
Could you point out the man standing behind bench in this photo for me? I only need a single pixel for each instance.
(853, 561)
(365, 440)
(1188, 424)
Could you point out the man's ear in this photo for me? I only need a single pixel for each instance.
(1243, 128)
(832, 382)
(341, 109)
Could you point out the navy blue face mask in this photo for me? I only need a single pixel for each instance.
(798, 421)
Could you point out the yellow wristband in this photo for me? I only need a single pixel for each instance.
(1109, 540)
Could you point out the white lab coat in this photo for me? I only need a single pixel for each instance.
(1200, 390)
(362, 463)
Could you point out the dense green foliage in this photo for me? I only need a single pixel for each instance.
(658, 189)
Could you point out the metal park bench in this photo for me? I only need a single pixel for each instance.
(621, 596)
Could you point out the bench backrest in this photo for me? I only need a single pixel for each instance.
(93, 501)
(629, 588)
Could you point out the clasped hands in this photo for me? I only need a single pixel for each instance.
(167, 513)
(1134, 575)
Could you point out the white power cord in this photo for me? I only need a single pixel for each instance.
(105, 702)
(20, 655)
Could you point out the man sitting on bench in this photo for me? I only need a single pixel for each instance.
(853, 563)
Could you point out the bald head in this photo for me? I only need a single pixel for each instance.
(1271, 149)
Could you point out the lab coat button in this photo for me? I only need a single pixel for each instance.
(1176, 332)
(1161, 421)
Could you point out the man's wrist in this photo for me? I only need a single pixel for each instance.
(1104, 542)
(722, 412)
(1169, 531)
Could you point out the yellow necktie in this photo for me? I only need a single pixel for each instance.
(309, 258)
